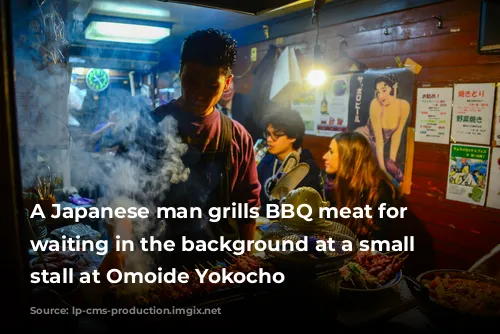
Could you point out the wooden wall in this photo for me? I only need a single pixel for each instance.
(461, 232)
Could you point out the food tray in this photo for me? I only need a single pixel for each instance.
(222, 297)
(387, 261)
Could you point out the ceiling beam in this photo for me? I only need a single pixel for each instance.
(332, 13)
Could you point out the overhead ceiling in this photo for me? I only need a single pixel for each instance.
(187, 18)
(184, 19)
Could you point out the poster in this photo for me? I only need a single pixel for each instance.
(332, 106)
(473, 113)
(468, 173)
(496, 134)
(493, 200)
(433, 119)
(305, 105)
(381, 99)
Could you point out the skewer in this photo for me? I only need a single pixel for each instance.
(231, 255)
(185, 269)
(227, 262)
(211, 265)
(202, 266)
(402, 253)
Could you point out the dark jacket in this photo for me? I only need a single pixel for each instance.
(391, 229)
(265, 171)
(243, 109)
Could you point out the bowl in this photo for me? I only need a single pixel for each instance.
(387, 285)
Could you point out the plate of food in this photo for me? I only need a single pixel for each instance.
(371, 271)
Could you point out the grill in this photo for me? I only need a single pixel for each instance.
(320, 290)
(312, 261)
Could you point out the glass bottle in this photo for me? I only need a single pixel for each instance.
(260, 149)
(324, 104)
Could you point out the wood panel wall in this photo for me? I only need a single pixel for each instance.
(461, 232)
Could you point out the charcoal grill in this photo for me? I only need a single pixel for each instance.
(237, 300)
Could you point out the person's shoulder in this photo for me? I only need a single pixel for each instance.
(375, 107)
(307, 157)
(388, 193)
(268, 159)
(160, 112)
(240, 133)
(405, 105)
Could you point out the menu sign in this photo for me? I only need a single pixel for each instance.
(468, 174)
(473, 113)
(494, 185)
(433, 115)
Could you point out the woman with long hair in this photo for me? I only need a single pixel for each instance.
(356, 180)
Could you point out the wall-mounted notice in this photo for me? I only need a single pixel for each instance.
(332, 106)
(473, 113)
(468, 174)
(433, 115)
(493, 200)
(305, 104)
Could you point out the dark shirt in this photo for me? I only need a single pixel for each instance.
(392, 229)
(383, 224)
(266, 170)
(202, 130)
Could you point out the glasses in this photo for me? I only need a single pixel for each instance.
(274, 136)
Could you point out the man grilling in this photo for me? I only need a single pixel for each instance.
(220, 152)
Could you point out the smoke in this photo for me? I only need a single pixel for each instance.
(122, 180)
(50, 146)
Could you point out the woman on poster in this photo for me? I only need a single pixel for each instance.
(387, 121)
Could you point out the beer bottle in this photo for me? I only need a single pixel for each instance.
(324, 104)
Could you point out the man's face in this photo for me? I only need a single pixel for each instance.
(202, 87)
(229, 93)
(278, 141)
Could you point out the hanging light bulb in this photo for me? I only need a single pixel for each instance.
(317, 75)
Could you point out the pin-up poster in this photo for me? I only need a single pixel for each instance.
(468, 174)
(493, 200)
(473, 113)
(332, 106)
(433, 119)
(381, 102)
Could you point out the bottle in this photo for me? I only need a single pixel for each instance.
(324, 104)
(260, 148)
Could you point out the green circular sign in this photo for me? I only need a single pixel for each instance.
(98, 79)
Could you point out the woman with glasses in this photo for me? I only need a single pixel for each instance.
(284, 134)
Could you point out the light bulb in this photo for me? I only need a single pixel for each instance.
(316, 77)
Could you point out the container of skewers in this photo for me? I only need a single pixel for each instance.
(45, 190)
(193, 292)
(372, 271)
